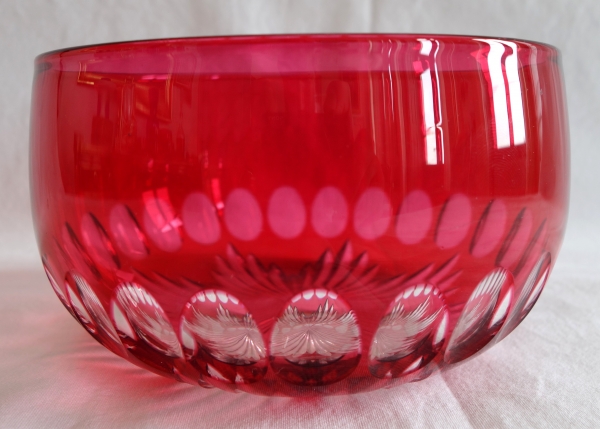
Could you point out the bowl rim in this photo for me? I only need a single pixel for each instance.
(257, 39)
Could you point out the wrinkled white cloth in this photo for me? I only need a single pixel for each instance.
(54, 375)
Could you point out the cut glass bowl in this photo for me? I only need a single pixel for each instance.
(299, 215)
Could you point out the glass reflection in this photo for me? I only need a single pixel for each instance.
(431, 103)
(515, 94)
(502, 71)
(537, 89)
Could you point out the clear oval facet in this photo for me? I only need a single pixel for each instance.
(90, 312)
(482, 316)
(220, 336)
(529, 293)
(411, 333)
(316, 340)
(148, 319)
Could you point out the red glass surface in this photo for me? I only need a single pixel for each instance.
(293, 215)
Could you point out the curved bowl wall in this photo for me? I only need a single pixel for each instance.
(299, 215)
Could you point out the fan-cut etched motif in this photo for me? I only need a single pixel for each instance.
(221, 337)
(411, 334)
(343, 273)
(482, 316)
(148, 319)
(401, 329)
(229, 338)
(318, 337)
(316, 340)
(90, 312)
(306, 348)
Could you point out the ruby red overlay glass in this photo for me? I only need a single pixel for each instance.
(299, 215)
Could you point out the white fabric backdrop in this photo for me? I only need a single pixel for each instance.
(52, 374)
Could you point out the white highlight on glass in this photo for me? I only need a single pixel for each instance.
(494, 59)
(538, 90)
(499, 96)
(515, 93)
(427, 91)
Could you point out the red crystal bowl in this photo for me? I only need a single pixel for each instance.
(299, 215)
